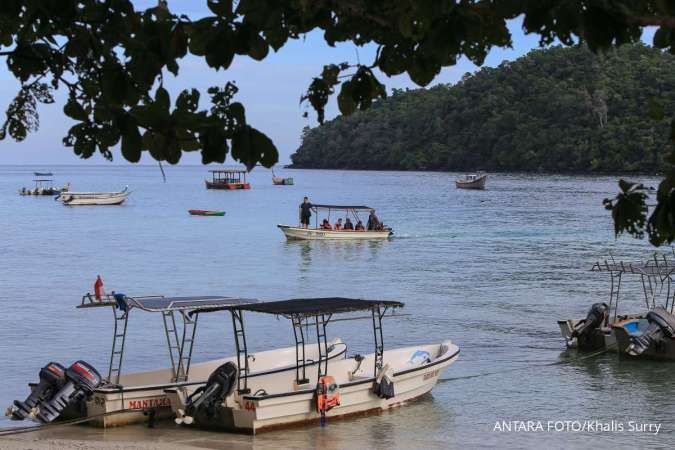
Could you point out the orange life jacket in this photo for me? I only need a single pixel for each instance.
(327, 394)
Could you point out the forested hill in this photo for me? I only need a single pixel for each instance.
(557, 110)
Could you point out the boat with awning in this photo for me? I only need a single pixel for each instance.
(318, 389)
(333, 212)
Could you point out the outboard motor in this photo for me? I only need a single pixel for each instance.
(207, 398)
(81, 381)
(661, 327)
(595, 317)
(52, 379)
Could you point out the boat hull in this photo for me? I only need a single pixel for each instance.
(282, 181)
(478, 183)
(313, 234)
(254, 414)
(201, 212)
(226, 186)
(142, 392)
(92, 198)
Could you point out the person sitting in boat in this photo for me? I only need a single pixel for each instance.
(338, 225)
(349, 226)
(325, 225)
(373, 221)
(305, 212)
(359, 226)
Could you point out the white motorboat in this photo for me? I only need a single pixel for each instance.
(324, 231)
(233, 401)
(93, 198)
(125, 398)
(472, 181)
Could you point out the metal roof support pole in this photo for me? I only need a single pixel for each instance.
(172, 341)
(379, 339)
(117, 352)
(185, 353)
(300, 361)
(322, 343)
(242, 351)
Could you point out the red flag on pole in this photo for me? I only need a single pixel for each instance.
(98, 287)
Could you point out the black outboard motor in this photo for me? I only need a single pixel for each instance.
(81, 381)
(661, 327)
(595, 317)
(52, 379)
(219, 385)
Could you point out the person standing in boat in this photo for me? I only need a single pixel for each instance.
(349, 226)
(373, 221)
(305, 212)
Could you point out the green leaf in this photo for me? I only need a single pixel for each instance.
(131, 144)
(220, 7)
(238, 113)
(74, 110)
(162, 99)
(345, 99)
(662, 37)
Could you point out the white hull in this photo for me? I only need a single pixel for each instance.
(146, 390)
(298, 233)
(284, 403)
(93, 198)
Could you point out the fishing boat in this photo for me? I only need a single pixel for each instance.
(317, 390)
(472, 181)
(321, 232)
(93, 198)
(205, 212)
(281, 181)
(227, 179)
(649, 334)
(125, 398)
(44, 186)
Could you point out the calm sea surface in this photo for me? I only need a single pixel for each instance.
(491, 270)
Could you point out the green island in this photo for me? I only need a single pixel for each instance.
(553, 110)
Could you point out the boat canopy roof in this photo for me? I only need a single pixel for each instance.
(343, 207)
(42, 180)
(317, 306)
(651, 268)
(159, 303)
(228, 171)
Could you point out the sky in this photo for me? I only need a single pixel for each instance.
(269, 89)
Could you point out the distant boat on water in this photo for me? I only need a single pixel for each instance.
(93, 198)
(472, 181)
(43, 174)
(205, 212)
(281, 181)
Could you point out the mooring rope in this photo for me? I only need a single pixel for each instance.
(19, 430)
(529, 366)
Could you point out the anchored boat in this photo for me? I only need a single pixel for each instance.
(124, 398)
(325, 231)
(281, 181)
(472, 181)
(93, 198)
(44, 186)
(644, 335)
(227, 179)
(319, 389)
(205, 212)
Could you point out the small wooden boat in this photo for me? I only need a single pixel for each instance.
(205, 212)
(346, 386)
(93, 198)
(281, 181)
(376, 231)
(227, 179)
(472, 181)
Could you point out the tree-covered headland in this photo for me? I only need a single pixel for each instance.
(555, 110)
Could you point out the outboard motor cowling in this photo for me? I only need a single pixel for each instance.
(52, 379)
(207, 398)
(81, 381)
(661, 326)
(595, 317)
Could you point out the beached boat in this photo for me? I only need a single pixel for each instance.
(281, 181)
(233, 401)
(44, 186)
(378, 231)
(93, 198)
(227, 179)
(472, 181)
(125, 398)
(649, 334)
(205, 212)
